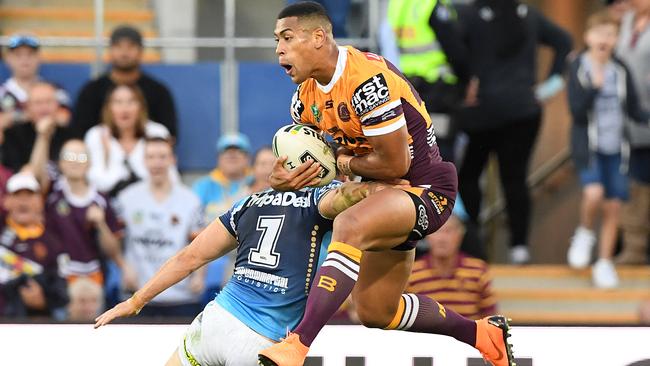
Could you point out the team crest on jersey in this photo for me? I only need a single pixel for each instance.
(62, 208)
(370, 94)
(175, 220)
(344, 113)
(138, 217)
(317, 115)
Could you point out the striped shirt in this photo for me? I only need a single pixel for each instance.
(467, 291)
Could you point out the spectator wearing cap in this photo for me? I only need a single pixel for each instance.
(30, 254)
(116, 146)
(219, 190)
(23, 58)
(42, 112)
(125, 53)
(228, 182)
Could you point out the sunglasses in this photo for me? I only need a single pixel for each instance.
(17, 41)
(74, 157)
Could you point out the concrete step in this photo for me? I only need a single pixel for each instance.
(87, 54)
(556, 294)
(75, 14)
(108, 4)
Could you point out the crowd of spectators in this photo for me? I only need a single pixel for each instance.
(96, 202)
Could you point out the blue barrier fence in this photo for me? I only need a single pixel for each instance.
(264, 99)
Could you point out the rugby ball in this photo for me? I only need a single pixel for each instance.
(301, 143)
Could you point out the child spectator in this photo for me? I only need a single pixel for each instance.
(78, 214)
(602, 97)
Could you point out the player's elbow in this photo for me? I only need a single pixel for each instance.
(188, 258)
(397, 168)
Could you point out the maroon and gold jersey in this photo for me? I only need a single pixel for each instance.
(467, 291)
(367, 97)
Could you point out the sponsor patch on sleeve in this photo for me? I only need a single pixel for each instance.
(370, 94)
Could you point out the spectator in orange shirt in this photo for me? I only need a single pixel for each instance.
(455, 280)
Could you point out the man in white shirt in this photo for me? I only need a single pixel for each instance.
(161, 217)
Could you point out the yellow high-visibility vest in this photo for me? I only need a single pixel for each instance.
(420, 52)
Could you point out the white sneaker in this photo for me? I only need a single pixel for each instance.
(582, 243)
(604, 274)
(519, 254)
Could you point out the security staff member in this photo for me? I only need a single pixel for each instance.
(433, 57)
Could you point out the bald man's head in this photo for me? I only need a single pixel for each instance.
(42, 101)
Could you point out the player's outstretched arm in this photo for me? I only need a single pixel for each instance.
(349, 194)
(212, 243)
(390, 158)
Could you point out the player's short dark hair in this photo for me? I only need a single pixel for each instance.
(305, 9)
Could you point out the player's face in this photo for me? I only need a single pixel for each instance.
(158, 158)
(42, 102)
(445, 242)
(233, 162)
(294, 48)
(23, 61)
(125, 55)
(263, 165)
(24, 207)
(125, 108)
(73, 160)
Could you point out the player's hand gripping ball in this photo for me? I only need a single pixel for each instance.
(301, 143)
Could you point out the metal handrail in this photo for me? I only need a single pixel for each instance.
(188, 42)
(535, 179)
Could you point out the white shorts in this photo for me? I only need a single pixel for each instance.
(217, 338)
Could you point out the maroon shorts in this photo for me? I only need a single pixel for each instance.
(433, 205)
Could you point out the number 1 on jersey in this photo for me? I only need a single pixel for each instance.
(264, 255)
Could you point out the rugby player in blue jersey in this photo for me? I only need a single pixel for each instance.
(278, 237)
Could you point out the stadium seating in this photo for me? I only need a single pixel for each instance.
(75, 18)
(556, 294)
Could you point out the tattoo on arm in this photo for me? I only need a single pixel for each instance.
(348, 194)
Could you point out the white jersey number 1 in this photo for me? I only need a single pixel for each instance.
(264, 255)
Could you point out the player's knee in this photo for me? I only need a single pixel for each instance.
(373, 316)
(348, 229)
